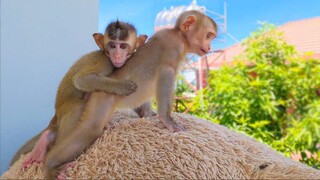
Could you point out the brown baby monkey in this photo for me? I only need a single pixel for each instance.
(90, 73)
(153, 68)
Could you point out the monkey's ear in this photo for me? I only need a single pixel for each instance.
(98, 37)
(141, 40)
(190, 20)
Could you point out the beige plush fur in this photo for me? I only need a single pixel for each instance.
(133, 148)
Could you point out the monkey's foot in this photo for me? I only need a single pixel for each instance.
(38, 153)
(174, 127)
(142, 113)
(63, 169)
(150, 114)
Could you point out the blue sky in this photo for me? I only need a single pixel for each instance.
(242, 15)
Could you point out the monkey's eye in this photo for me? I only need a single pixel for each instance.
(209, 35)
(123, 46)
(111, 45)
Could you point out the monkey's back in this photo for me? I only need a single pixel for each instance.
(68, 94)
(143, 67)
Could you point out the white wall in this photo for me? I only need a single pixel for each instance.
(40, 39)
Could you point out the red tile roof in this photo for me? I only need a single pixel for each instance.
(303, 34)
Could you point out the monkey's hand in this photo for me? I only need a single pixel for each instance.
(126, 88)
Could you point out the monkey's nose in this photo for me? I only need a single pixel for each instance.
(117, 57)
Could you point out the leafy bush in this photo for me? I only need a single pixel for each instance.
(183, 95)
(271, 93)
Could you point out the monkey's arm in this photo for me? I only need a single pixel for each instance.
(165, 91)
(93, 82)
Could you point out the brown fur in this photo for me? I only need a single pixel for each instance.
(88, 74)
(124, 28)
(158, 63)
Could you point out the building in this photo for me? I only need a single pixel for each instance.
(40, 40)
(303, 34)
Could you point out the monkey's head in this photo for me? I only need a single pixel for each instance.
(119, 42)
(198, 29)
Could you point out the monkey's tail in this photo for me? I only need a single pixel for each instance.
(26, 148)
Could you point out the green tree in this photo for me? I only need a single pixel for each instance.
(271, 93)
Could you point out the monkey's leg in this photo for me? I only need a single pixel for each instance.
(68, 123)
(26, 148)
(164, 98)
(30, 145)
(63, 169)
(145, 110)
(40, 145)
(97, 113)
(69, 119)
(40, 149)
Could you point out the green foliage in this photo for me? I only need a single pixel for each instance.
(271, 94)
(184, 95)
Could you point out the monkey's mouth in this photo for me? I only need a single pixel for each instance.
(118, 65)
(203, 51)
